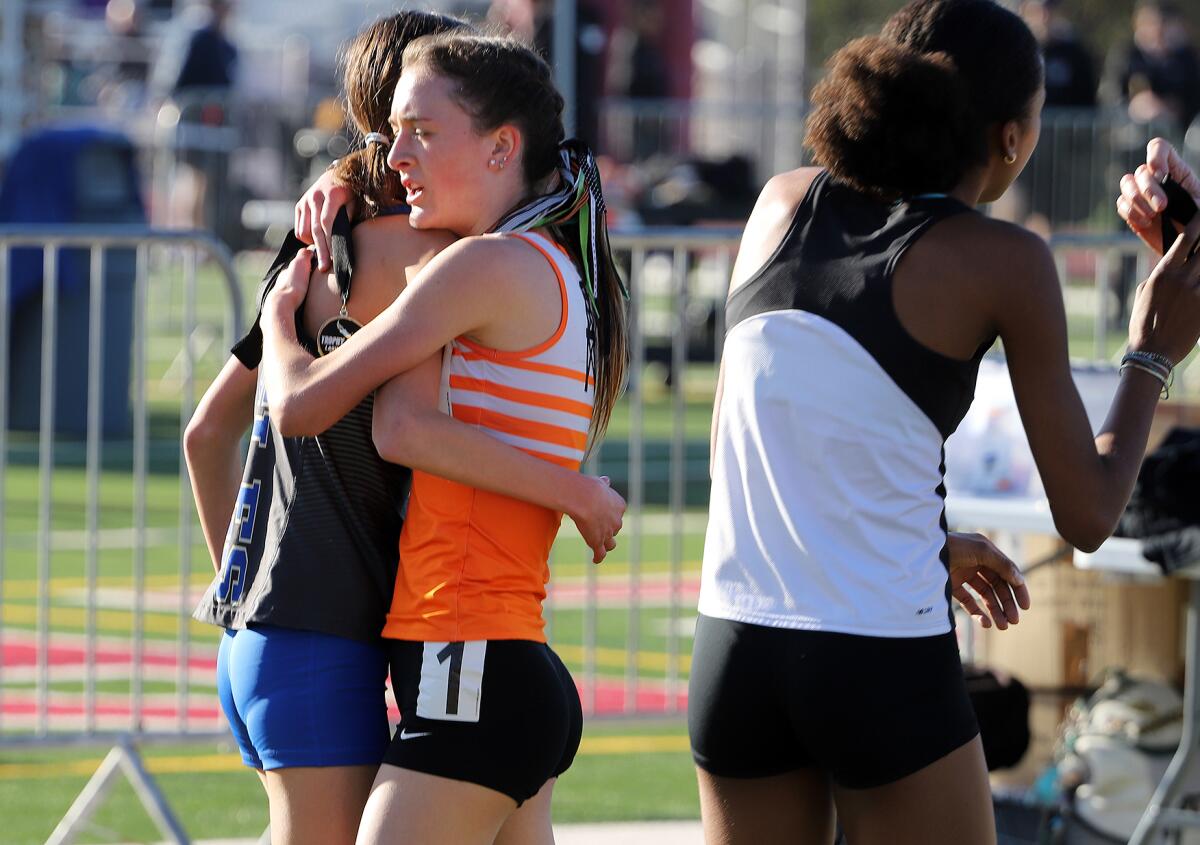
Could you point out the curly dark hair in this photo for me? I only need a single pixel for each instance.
(907, 111)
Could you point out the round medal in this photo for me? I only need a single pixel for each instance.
(334, 333)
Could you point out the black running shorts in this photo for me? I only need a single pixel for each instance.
(504, 714)
(867, 710)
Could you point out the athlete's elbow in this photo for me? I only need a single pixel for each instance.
(291, 420)
(383, 442)
(391, 447)
(391, 435)
(204, 433)
(1088, 542)
(1085, 531)
(395, 429)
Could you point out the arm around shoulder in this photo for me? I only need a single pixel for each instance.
(459, 291)
(408, 429)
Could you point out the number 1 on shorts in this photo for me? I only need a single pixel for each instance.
(454, 653)
(451, 681)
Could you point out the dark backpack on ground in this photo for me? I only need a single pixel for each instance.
(1001, 705)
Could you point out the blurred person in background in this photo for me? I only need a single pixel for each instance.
(125, 80)
(638, 71)
(514, 16)
(1157, 75)
(198, 70)
(533, 22)
(1038, 199)
(210, 58)
(1069, 67)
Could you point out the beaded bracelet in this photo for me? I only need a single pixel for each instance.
(1156, 365)
(1161, 360)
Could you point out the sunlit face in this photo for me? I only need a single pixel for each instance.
(1028, 132)
(441, 159)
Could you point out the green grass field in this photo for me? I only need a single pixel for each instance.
(624, 771)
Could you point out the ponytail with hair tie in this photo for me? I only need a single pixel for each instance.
(579, 199)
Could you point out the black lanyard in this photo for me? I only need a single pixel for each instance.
(334, 332)
(248, 350)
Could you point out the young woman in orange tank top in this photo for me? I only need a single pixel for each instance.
(533, 316)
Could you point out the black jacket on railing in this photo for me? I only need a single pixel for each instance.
(1164, 511)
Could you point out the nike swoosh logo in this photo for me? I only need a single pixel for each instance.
(406, 735)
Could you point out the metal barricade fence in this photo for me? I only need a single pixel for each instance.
(96, 517)
(195, 136)
(638, 606)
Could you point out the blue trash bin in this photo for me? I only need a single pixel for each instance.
(71, 175)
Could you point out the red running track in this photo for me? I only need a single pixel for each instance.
(20, 652)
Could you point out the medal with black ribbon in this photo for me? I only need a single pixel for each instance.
(336, 331)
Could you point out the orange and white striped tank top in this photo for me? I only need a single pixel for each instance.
(474, 564)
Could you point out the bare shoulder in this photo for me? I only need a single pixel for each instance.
(388, 253)
(973, 246)
(779, 198)
(769, 222)
(391, 240)
(1016, 258)
(500, 289)
(1000, 272)
(787, 190)
(489, 260)
(1008, 238)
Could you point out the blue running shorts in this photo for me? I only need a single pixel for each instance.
(303, 698)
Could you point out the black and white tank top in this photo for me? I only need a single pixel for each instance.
(827, 508)
(314, 539)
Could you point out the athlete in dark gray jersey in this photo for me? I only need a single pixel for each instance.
(313, 538)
